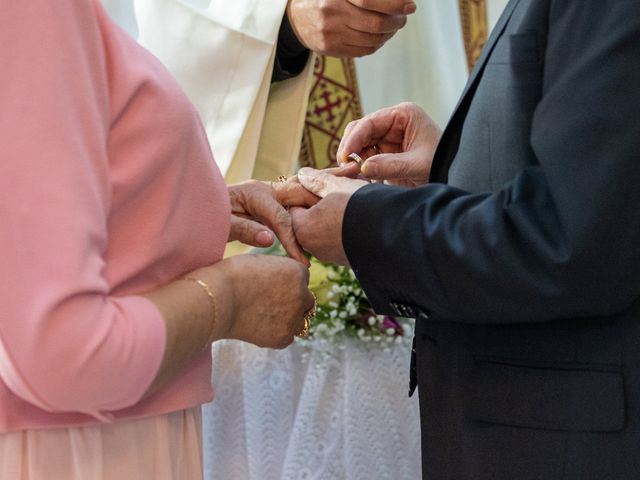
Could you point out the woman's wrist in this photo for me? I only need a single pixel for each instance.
(207, 290)
(188, 312)
(218, 278)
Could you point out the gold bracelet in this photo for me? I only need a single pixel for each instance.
(209, 292)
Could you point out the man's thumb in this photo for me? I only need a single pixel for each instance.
(388, 166)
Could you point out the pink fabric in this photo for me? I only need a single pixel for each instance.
(164, 447)
(107, 190)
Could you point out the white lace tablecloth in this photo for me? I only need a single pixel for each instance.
(279, 416)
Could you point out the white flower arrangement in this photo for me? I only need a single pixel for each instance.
(343, 312)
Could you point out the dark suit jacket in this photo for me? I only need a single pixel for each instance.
(521, 259)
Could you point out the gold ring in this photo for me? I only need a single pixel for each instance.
(304, 333)
(357, 158)
(282, 178)
(308, 316)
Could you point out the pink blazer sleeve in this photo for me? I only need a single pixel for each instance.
(66, 345)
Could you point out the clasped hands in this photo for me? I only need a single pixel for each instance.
(306, 212)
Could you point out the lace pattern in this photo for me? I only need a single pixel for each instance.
(286, 415)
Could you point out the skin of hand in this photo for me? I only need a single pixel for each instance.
(258, 210)
(269, 297)
(397, 144)
(259, 299)
(319, 228)
(347, 28)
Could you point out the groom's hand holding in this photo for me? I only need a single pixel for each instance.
(319, 228)
(396, 143)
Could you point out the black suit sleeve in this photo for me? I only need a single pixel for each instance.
(562, 240)
(291, 55)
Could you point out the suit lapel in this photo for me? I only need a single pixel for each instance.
(450, 141)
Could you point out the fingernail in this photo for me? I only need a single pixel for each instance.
(264, 238)
(409, 8)
(304, 172)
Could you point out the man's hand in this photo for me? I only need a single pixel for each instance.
(319, 228)
(258, 210)
(397, 144)
(347, 28)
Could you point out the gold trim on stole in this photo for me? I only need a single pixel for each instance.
(334, 101)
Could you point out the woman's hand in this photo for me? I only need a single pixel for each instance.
(268, 297)
(397, 144)
(259, 299)
(258, 209)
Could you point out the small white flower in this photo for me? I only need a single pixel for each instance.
(372, 321)
(391, 331)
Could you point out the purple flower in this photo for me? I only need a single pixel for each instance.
(390, 322)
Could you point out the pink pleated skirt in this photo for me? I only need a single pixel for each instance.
(165, 447)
